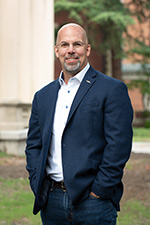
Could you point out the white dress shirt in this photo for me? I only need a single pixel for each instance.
(65, 98)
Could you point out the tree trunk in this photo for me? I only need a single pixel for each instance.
(116, 67)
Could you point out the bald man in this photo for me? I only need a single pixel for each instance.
(79, 139)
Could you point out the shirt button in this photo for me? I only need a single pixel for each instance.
(68, 91)
(66, 107)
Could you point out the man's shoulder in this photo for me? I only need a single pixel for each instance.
(49, 87)
(107, 78)
(103, 78)
(106, 83)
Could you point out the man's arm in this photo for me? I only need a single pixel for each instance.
(34, 145)
(118, 115)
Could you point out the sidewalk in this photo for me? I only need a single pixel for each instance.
(141, 147)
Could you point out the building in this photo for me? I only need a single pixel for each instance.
(26, 64)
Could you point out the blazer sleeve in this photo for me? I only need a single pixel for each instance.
(34, 145)
(118, 115)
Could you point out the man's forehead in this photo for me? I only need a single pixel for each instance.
(71, 30)
(71, 34)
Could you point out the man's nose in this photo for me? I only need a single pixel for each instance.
(71, 48)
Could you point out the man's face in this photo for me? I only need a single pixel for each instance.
(72, 49)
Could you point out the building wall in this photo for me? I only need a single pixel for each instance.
(26, 64)
(26, 48)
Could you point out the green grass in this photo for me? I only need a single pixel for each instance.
(16, 202)
(3, 154)
(16, 199)
(141, 134)
(134, 212)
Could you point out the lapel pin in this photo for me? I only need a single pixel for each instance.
(88, 81)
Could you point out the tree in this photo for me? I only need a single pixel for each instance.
(111, 18)
(140, 48)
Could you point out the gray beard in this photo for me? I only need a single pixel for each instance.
(72, 69)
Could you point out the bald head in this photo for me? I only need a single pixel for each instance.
(72, 27)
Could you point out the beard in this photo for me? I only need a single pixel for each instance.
(72, 69)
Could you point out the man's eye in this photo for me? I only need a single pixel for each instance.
(77, 44)
(64, 45)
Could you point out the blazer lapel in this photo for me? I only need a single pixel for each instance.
(86, 84)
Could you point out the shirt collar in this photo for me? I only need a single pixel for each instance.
(79, 76)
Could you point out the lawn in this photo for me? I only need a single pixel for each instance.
(16, 201)
(134, 212)
(16, 198)
(141, 134)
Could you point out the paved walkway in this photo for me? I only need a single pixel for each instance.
(141, 147)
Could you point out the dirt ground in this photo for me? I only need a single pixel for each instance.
(136, 176)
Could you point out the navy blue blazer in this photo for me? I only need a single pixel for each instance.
(96, 142)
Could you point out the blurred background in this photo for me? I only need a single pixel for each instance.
(119, 32)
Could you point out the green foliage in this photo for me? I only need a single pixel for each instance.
(144, 75)
(141, 45)
(111, 17)
(140, 9)
(73, 7)
(146, 114)
(143, 85)
(147, 124)
(141, 49)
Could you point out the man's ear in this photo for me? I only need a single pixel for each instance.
(56, 51)
(88, 50)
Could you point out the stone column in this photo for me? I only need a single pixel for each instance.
(26, 64)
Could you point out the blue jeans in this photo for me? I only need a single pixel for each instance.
(59, 210)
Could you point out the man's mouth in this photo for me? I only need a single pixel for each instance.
(71, 60)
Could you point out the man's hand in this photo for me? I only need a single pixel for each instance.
(92, 193)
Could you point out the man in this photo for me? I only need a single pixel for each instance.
(79, 139)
